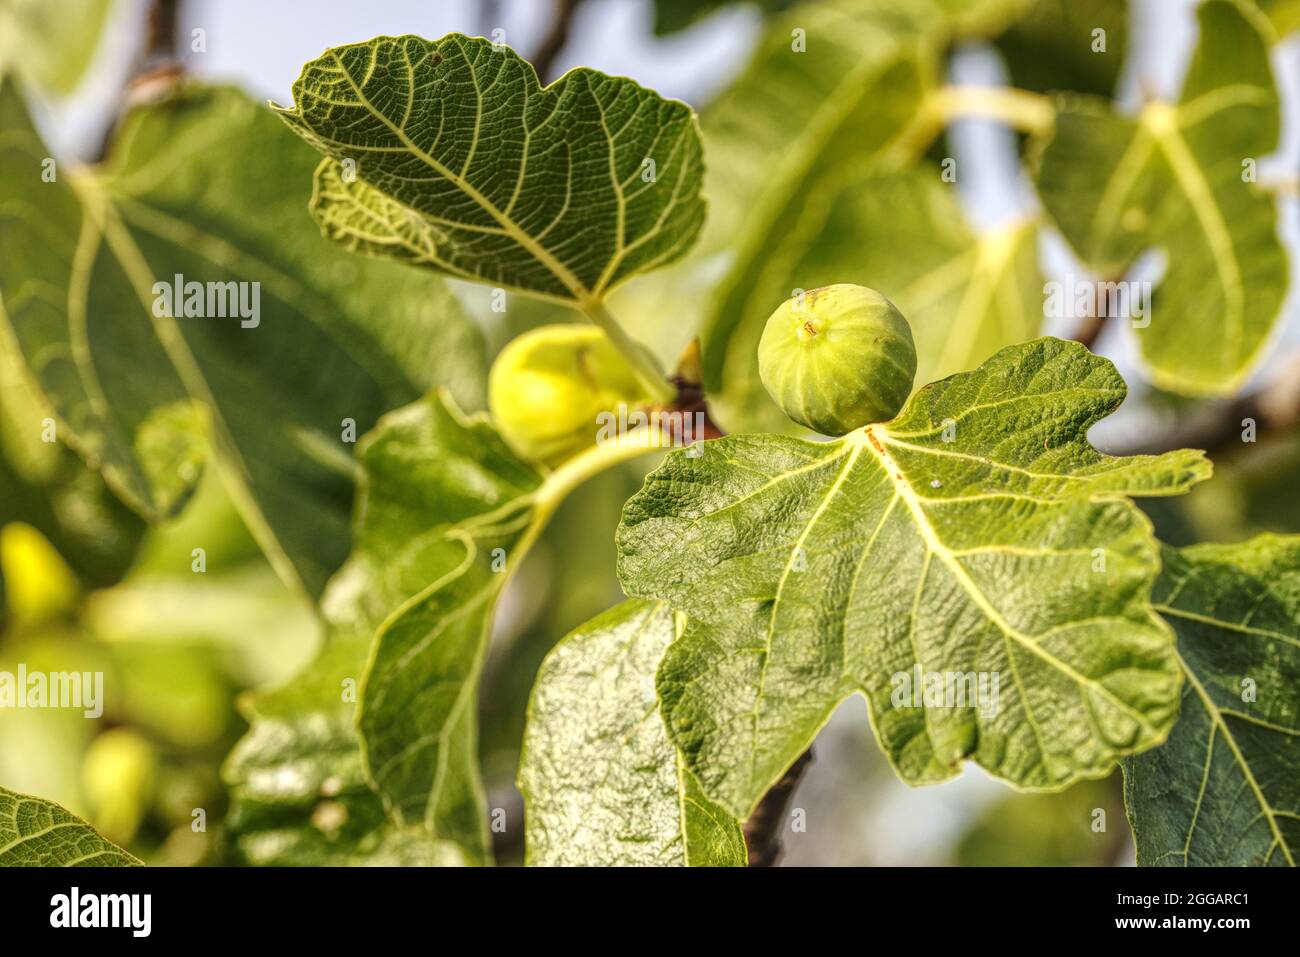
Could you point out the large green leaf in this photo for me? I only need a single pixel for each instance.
(464, 163)
(1223, 790)
(966, 295)
(602, 782)
(467, 515)
(976, 534)
(50, 45)
(425, 469)
(1172, 179)
(209, 186)
(38, 833)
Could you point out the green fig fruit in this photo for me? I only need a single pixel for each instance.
(117, 776)
(548, 386)
(837, 357)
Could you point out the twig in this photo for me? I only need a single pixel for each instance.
(555, 39)
(156, 66)
(160, 36)
(763, 829)
(1091, 327)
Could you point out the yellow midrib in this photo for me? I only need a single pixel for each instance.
(1216, 716)
(894, 473)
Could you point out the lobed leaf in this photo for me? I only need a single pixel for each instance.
(468, 512)
(1174, 179)
(203, 186)
(978, 534)
(39, 833)
(602, 782)
(429, 474)
(459, 160)
(1222, 791)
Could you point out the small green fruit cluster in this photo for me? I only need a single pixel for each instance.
(548, 386)
(837, 358)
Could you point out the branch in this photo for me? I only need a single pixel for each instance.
(160, 35)
(1090, 327)
(763, 829)
(555, 39)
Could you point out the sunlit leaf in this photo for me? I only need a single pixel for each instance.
(425, 466)
(38, 833)
(977, 537)
(460, 516)
(449, 154)
(1177, 179)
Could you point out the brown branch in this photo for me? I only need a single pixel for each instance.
(155, 71)
(763, 829)
(555, 39)
(160, 35)
(1090, 327)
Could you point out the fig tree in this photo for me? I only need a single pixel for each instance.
(547, 387)
(837, 357)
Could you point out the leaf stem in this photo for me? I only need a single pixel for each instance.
(1019, 109)
(643, 364)
(589, 463)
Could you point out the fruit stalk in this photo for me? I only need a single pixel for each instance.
(647, 370)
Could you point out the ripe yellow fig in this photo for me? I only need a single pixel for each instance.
(547, 387)
(837, 357)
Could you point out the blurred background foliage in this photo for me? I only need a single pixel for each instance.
(87, 587)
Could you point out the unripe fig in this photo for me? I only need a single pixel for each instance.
(547, 387)
(117, 775)
(837, 357)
